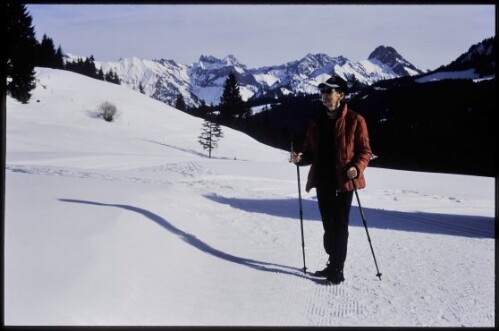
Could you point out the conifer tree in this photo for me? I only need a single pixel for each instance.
(20, 52)
(112, 77)
(211, 134)
(46, 53)
(59, 58)
(180, 103)
(89, 67)
(108, 76)
(231, 102)
(85, 67)
(100, 74)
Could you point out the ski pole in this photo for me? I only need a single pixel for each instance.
(301, 220)
(301, 210)
(365, 226)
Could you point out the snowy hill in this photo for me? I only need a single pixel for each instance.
(129, 223)
(478, 63)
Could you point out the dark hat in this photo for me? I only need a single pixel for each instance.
(335, 82)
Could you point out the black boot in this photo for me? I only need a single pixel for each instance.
(335, 276)
(324, 272)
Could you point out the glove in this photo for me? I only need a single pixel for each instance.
(352, 173)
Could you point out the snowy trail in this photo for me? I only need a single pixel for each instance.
(215, 239)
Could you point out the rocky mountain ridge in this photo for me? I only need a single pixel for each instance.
(203, 80)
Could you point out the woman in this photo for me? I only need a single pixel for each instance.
(337, 147)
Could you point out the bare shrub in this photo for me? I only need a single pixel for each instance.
(107, 111)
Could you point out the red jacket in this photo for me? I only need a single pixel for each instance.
(352, 149)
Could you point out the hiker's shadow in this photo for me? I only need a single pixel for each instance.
(204, 247)
(424, 222)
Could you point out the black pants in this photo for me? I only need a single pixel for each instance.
(335, 212)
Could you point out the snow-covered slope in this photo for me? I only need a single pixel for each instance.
(129, 223)
(478, 63)
(161, 79)
(143, 126)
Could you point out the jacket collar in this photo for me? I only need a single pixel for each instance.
(344, 109)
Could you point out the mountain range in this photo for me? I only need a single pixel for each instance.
(203, 80)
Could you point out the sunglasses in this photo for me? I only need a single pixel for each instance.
(327, 90)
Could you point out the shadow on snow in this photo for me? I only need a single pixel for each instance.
(456, 225)
(204, 247)
(191, 151)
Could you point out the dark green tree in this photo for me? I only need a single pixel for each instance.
(100, 74)
(89, 68)
(59, 58)
(211, 134)
(47, 56)
(112, 77)
(85, 67)
(20, 52)
(46, 53)
(232, 106)
(180, 102)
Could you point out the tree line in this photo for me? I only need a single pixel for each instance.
(23, 53)
(443, 126)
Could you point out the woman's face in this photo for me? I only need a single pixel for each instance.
(332, 98)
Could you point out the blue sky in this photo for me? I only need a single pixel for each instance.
(259, 35)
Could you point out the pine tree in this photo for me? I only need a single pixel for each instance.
(244, 113)
(180, 103)
(108, 76)
(89, 67)
(232, 105)
(211, 134)
(20, 55)
(46, 53)
(100, 74)
(59, 58)
(47, 56)
(112, 77)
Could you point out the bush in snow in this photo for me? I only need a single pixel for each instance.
(107, 111)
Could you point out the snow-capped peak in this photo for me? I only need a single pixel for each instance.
(203, 80)
(387, 55)
(209, 62)
(231, 60)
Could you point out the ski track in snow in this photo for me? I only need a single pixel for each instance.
(322, 304)
(183, 171)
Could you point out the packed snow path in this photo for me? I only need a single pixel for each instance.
(225, 250)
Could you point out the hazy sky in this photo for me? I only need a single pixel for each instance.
(259, 35)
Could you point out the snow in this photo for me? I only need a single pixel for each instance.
(377, 70)
(129, 223)
(134, 71)
(411, 72)
(266, 79)
(259, 109)
(464, 74)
